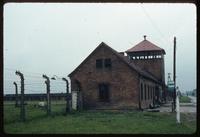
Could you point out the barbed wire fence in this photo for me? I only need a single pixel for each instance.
(38, 102)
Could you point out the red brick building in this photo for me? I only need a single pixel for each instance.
(108, 79)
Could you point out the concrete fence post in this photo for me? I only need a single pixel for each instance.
(16, 95)
(47, 82)
(22, 112)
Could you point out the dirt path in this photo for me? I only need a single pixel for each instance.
(184, 108)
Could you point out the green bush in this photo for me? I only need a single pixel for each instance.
(185, 99)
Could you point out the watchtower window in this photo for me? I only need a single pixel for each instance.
(107, 63)
(99, 63)
(104, 92)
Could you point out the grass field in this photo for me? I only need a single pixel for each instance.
(94, 122)
(185, 99)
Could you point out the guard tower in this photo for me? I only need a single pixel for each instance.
(149, 57)
(170, 87)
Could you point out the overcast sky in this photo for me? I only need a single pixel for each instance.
(54, 39)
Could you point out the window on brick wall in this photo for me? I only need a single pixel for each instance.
(103, 92)
(153, 92)
(141, 90)
(107, 63)
(148, 92)
(99, 63)
(145, 92)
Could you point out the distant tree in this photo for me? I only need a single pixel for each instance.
(192, 93)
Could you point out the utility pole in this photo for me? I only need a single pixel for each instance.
(22, 112)
(174, 76)
(16, 95)
(47, 82)
(177, 107)
(68, 105)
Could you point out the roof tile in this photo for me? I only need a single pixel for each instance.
(145, 45)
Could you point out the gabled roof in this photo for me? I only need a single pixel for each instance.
(125, 59)
(145, 45)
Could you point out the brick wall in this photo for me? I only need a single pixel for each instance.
(155, 66)
(152, 91)
(123, 81)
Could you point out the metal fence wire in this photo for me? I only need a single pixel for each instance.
(35, 108)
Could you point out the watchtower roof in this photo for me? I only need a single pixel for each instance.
(145, 46)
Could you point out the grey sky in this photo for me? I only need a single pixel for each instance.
(54, 39)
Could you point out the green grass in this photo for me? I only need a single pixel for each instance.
(185, 99)
(95, 122)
